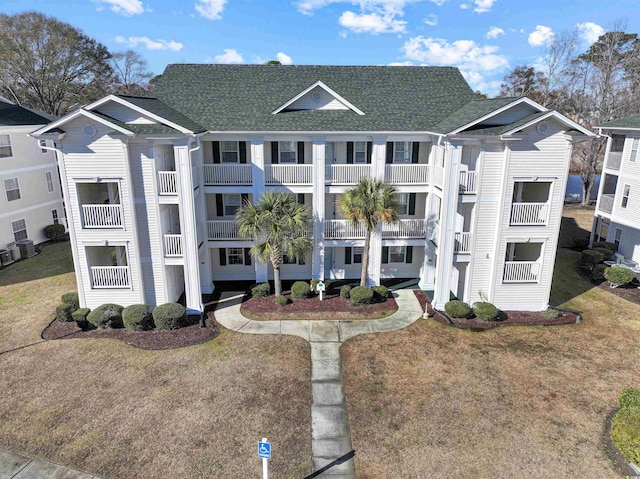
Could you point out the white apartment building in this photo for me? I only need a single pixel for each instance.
(152, 184)
(31, 195)
(617, 215)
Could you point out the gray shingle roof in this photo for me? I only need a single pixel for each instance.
(243, 97)
(163, 110)
(15, 115)
(473, 110)
(142, 128)
(500, 129)
(632, 121)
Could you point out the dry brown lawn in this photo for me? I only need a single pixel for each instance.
(120, 412)
(434, 401)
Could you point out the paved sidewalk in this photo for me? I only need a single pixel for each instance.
(331, 435)
(18, 466)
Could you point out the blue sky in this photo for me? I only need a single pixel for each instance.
(485, 38)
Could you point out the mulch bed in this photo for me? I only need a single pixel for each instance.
(423, 299)
(614, 454)
(331, 307)
(151, 340)
(513, 318)
(630, 292)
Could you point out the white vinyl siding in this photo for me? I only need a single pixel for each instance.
(19, 228)
(49, 178)
(12, 189)
(5, 146)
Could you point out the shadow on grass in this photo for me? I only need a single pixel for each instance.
(54, 259)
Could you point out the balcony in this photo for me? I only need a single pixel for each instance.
(404, 229)
(462, 243)
(406, 174)
(102, 216)
(167, 183)
(347, 174)
(238, 174)
(411, 228)
(521, 272)
(529, 214)
(110, 277)
(222, 230)
(468, 182)
(614, 160)
(173, 246)
(288, 174)
(606, 203)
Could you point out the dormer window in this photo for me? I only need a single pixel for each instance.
(229, 151)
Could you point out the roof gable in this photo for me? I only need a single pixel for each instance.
(627, 123)
(15, 115)
(317, 97)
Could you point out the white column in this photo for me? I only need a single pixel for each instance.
(427, 272)
(188, 228)
(257, 182)
(378, 158)
(444, 267)
(318, 205)
(204, 253)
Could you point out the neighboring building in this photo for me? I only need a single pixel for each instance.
(31, 193)
(152, 185)
(617, 216)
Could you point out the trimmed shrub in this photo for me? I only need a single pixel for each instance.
(63, 312)
(345, 291)
(360, 295)
(581, 243)
(106, 316)
(300, 290)
(137, 317)
(625, 434)
(618, 276)
(281, 300)
(590, 258)
(607, 253)
(169, 316)
(606, 245)
(80, 317)
(54, 232)
(72, 299)
(261, 290)
(486, 311)
(551, 313)
(597, 273)
(458, 309)
(380, 293)
(630, 399)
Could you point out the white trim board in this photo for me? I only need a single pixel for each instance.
(338, 97)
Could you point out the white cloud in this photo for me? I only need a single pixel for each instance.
(431, 20)
(439, 2)
(124, 7)
(541, 36)
(229, 56)
(374, 23)
(133, 42)
(495, 32)
(589, 31)
(483, 6)
(210, 9)
(465, 6)
(400, 64)
(284, 58)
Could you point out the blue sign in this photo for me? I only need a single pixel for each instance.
(264, 450)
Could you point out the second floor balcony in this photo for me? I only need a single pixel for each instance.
(606, 203)
(529, 214)
(102, 216)
(173, 245)
(614, 160)
(167, 183)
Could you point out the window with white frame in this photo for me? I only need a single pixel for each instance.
(287, 151)
(5, 146)
(403, 204)
(356, 254)
(12, 189)
(634, 150)
(19, 229)
(625, 196)
(229, 152)
(397, 254)
(618, 238)
(54, 216)
(360, 152)
(235, 256)
(232, 204)
(43, 143)
(402, 152)
(49, 177)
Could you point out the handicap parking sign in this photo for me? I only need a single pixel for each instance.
(264, 450)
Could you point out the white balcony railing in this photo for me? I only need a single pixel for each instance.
(523, 214)
(614, 160)
(172, 245)
(222, 230)
(521, 271)
(347, 174)
(409, 228)
(406, 174)
(606, 203)
(102, 216)
(167, 183)
(438, 176)
(227, 174)
(110, 277)
(462, 243)
(288, 174)
(468, 182)
(343, 229)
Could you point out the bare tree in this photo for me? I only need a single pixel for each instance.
(131, 76)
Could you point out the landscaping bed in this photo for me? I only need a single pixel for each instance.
(509, 318)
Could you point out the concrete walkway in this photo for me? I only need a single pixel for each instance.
(331, 435)
(18, 466)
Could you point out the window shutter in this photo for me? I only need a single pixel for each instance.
(219, 206)
(243, 151)
(415, 151)
(244, 197)
(409, 256)
(216, 152)
(247, 256)
(223, 256)
(385, 254)
(301, 152)
(349, 151)
(389, 156)
(274, 153)
(412, 203)
(301, 198)
(369, 151)
(347, 256)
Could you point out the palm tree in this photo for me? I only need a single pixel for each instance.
(279, 226)
(371, 202)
